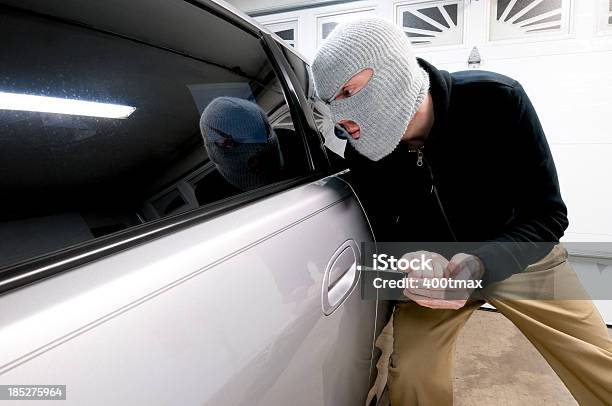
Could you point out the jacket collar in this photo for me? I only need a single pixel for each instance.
(440, 83)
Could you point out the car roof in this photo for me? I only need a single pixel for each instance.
(250, 20)
(157, 21)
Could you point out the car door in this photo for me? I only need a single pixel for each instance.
(319, 121)
(136, 269)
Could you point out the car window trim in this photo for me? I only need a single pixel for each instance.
(34, 269)
(297, 101)
(289, 92)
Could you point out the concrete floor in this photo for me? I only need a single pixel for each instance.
(495, 365)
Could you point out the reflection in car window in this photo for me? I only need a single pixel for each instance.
(99, 133)
(241, 143)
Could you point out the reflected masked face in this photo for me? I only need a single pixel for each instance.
(247, 166)
(241, 143)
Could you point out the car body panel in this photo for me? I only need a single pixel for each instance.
(226, 312)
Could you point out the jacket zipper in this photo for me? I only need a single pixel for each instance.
(419, 163)
(420, 157)
(419, 152)
(433, 190)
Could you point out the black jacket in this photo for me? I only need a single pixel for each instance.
(492, 169)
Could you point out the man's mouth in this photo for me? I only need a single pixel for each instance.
(345, 125)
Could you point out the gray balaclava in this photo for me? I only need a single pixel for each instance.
(385, 106)
(240, 142)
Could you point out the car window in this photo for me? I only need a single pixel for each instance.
(320, 110)
(101, 132)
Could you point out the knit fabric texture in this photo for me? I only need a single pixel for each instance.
(384, 107)
(240, 142)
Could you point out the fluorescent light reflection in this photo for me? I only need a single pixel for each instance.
(44, 104)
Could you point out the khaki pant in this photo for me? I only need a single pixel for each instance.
(569, 333)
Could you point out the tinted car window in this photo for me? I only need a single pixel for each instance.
(101, 132)
(320, 110)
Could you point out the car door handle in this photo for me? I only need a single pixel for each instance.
(340, 277)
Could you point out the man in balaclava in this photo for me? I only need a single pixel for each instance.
(462, 157)
(241, 143)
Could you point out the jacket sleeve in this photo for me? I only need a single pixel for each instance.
(540, 215)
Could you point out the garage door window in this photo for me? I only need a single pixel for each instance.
(528, 18)
(432, 23)
(327, 22)
(287, 30)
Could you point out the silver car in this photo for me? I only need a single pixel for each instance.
(140, 264)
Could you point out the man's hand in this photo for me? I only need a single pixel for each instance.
(424, 294)
(454, 294)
